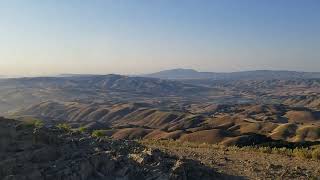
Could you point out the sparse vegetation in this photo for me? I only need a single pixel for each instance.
(32, 122)
(307, 153)
(316, 153)
(64, 126)
(98, 133)
(38, 123)
(82, 129)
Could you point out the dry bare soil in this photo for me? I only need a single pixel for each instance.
(241, 162)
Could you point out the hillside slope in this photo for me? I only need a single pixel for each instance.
(229, 125)
(40, 153)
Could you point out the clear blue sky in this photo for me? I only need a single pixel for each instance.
(141, 36)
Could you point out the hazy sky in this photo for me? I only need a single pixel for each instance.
(141, 36)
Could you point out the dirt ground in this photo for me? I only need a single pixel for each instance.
(244, 164)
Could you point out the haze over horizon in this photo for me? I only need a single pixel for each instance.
(136, 37)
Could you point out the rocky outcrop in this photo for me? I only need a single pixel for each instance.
(29, 153)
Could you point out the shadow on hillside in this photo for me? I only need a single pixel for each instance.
(289, 145)
(259, 140)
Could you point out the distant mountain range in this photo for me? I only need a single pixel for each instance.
(251, 75)
(17, 92)
(3, 76)
(111, 82)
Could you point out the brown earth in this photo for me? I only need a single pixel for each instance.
(222, 124)
(243, 163)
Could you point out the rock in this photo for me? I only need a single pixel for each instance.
(178, 171)
(103, 163)
(86, 169)
(60, 155)
(122, 172)
(44, 154)
(35, 175)
(7, 167)
(15, 177)
(42, 136)
(140, 158)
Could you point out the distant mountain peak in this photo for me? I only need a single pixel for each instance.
(177, 70)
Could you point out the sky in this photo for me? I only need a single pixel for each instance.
(45, 37)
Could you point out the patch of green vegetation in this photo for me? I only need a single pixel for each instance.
(38, 123)
(82, 129)
(32, 122)
(64, 126)
(98, 133)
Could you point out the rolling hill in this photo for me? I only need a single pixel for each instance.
(22, 92)
(228, 125)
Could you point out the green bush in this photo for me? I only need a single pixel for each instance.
(38, 123)
(64, 126)
(82, 129)
(32, 122)
(98, 133)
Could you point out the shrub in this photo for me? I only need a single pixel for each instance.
(302, 152)
(38, 123)
(64, 126)
(98, 133)
(316, 154)
(82, 129)
(283, 151)
(31, 122)
(265, 150)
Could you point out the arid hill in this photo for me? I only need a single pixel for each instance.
(22, 92)
(86, 117)
(228, 125)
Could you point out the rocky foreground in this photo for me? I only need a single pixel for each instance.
(49, 153)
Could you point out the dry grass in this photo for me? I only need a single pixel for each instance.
(306, 153)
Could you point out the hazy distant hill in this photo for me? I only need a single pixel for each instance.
(19, 92)
(104, 82)
(3, 77)
(258, 74)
